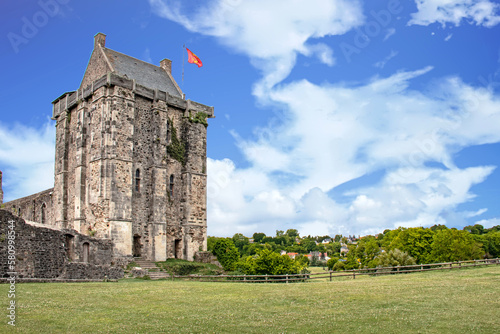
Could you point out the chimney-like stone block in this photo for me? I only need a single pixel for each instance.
(99, 39)
(166, 64)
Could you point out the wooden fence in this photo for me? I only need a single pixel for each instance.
(334, 274)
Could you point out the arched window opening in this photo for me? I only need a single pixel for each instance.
(42, 214)
(19, 212)
(69, 246)
(171, 186)
(168, 132)
(138, 180)
(86, 252)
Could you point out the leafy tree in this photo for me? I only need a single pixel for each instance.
(394, 258)
(240, 241)
(270, 263)
(338, 266)
(475, 229)
(292, 233)
(491, 244)
(226, 253)
(280, 233)
(257, 237)
(455, 245)
(415, 241)
(331, 262)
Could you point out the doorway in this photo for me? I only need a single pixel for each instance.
(136, 246)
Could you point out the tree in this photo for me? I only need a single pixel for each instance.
(292, 233)
(240, 241)
(257, 237)
(455, 245)
(226, 253)
(416, 241)
(395, 258)
(475, 229)
(270, 263)
(330, 263)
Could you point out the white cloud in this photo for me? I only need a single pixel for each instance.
(271, 33)
(27, 159)
(381, 64)
(479, 12)
(488, 223)
(389, 33)
(335, 133)
(447, 38)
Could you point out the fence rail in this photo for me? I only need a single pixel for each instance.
(334, 274)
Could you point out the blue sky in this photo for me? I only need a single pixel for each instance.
(332, 116)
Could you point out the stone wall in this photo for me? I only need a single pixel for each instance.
(36, 208)
(43, 252)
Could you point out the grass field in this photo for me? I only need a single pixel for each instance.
(458, 301)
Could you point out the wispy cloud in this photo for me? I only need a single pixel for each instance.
(389, 33)
(479, 12)
(381, 64)
(447, 38)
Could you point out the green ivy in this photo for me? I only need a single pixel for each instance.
(200, 117)
(176, 148)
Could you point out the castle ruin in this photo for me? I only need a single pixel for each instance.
(130, 162)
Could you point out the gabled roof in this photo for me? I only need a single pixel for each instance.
(103, 61)
(143, 73)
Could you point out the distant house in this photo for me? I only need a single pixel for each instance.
(344, 249)
(292, 255)
(326, 241)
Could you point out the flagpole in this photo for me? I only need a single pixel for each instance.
(183, 47)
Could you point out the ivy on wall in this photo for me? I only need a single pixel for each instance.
(200, 117)
(176, 149)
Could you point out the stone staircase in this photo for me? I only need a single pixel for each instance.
(153, 271)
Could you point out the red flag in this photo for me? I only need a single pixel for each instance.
(193, 59)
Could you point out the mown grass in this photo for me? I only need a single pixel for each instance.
(457, 301)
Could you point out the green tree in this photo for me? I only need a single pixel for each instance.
(455, 245)
(257, 237)
(226, 253)
(475, 229)
(395, 257)
(331, 262)
(240, 241)
(416, 241)
(292, 233)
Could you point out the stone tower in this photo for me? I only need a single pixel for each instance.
(131, 158)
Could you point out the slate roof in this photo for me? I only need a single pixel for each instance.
(143, 73)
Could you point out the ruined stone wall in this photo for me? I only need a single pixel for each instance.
(37, 208)
(42, 252)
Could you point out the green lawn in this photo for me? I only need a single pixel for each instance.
(458, 301)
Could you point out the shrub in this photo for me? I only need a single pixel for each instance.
(226, 253)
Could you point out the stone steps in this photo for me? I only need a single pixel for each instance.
(153, 271)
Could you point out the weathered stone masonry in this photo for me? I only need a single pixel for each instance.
(130, 162)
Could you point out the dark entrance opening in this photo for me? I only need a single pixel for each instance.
(178, 249)
(136, 246)
(69, 246)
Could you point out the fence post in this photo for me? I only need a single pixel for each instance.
(245, 277)
(460, 265)
(286, 278)
(451, 264)
(330, 276)
(398, 269)
(354, 274)
(266, 278)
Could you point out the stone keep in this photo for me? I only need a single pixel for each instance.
(130, 161)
